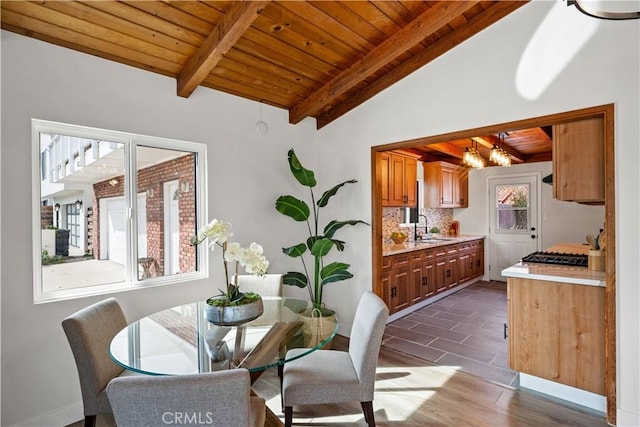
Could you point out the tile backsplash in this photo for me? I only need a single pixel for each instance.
(392, 218)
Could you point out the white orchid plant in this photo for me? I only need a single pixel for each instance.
(217, 233)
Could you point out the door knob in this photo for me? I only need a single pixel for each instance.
(533, 236)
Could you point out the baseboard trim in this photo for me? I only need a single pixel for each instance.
(400, 314)
(59, 417)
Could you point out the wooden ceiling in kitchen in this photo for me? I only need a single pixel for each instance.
(524, 146)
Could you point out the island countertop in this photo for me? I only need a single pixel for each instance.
(558, 273)
(394, 249)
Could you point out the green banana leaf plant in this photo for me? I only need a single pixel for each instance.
(318, 243)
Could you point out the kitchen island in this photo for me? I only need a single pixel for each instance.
(556, 329)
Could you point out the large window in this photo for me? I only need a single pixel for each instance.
(117, 210)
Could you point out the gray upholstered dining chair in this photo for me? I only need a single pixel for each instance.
(333, 376)
(267, 285)
(89, 332)
(220, 398)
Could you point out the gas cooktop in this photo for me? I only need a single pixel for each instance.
(573, 260)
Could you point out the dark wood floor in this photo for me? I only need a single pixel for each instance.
(465, 330)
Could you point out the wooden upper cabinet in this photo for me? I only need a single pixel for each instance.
(398, 176)
(578, 161)
(446, 185)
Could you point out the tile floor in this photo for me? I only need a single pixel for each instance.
(465, 329)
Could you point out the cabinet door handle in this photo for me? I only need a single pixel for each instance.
(448, 273)
(393, 292)
(424, 281)
(478, 263)
(505, 331)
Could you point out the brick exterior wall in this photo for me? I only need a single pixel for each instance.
(46, 217)
(151, 181)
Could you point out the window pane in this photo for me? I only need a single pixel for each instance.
(512, 202)
(166, 212)
(117, 210)
(72, 169)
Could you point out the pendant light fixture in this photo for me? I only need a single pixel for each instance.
(602, 9)
(499, 155)
(472, 157)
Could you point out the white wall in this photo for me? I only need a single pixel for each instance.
(247, 172)
(545, 58)
(476, 84)
(559, 221)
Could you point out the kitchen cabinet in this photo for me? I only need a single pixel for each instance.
(414, 276)
(422, 275)
(446, 185)
(556, 332)
(578, 161)
(476, 258)
(396, 282)
(399, 179)
(452, 273)
(464, 263)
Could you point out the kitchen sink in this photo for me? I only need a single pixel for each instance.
(437, 239)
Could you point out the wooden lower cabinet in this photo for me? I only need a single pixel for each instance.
(556, 332)
(396, 281)
(440, 273)
(412, 277)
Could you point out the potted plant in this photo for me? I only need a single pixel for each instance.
(318, 241)
(232, 306)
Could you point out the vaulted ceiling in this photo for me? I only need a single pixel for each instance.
(315, 59)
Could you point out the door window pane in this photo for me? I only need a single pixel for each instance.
(512, 203)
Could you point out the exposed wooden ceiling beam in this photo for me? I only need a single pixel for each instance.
(219, 42)
(449, 149)
(428, 22)
(493, 14)
(489, 140)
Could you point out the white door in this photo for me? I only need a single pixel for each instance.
(171, 228)
(514, 218)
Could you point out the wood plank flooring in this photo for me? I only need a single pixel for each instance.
(413, 392)
(467, 389)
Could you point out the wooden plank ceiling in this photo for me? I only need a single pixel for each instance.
(317, 59)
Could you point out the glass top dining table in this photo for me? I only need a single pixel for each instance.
(180, 340)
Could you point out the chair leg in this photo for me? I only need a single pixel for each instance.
(288, 416)
(280, 374)
(90, 421)
(367, 408)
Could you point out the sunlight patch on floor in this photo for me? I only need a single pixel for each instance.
(392, 382)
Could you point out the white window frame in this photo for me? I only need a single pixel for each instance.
(131, 141)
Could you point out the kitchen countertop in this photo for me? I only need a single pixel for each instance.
(559, 273)
(394, 249)
(556, 273)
